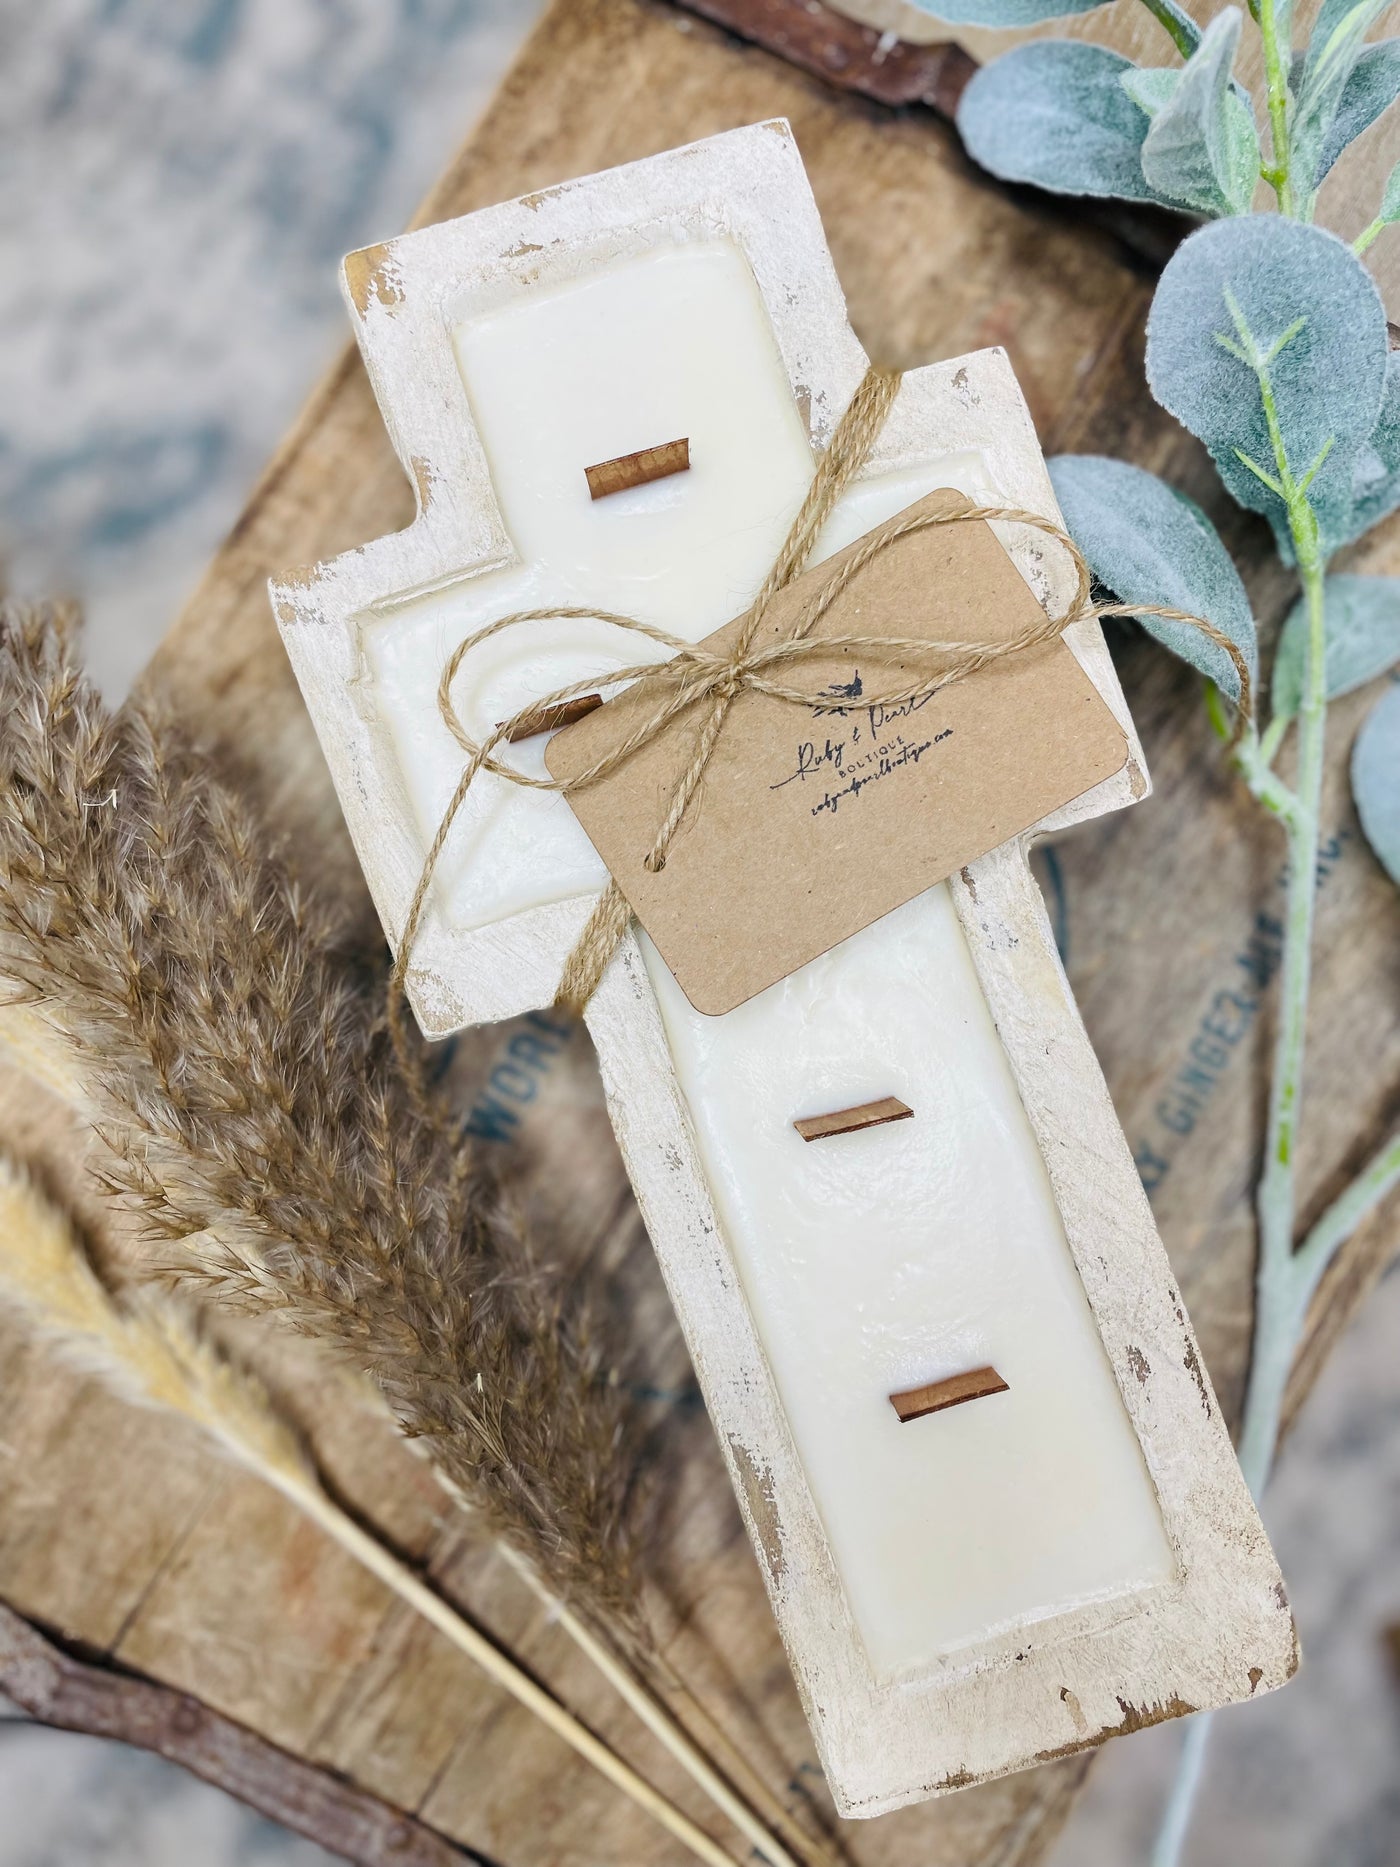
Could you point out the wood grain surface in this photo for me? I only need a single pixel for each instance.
(119, 1529)
(56, 1687)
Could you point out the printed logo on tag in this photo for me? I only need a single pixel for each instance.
(812, 822)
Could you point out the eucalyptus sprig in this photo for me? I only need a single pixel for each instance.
(1268, 340)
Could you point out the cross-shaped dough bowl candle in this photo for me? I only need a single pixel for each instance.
(988, 1485)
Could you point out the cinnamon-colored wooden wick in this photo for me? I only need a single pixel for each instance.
(648, 463)
(915, 1402)
(550, 719)
(844, 1121)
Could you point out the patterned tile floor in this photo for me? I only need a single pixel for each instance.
(177, 181)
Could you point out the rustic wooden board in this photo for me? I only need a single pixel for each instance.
(115, 1527)
(56, 1688)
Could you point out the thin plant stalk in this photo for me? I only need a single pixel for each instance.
(1177, 30)
(1369, 234)
(231, 1056)
(1286, 1279)
(1276, 61)
(1280, 1303)
(1176, 1818)
(667, 1729)
(1348, 1211)
(147, 1351)
(501, 1668)
(1278, 1316)
(28, 1042)
(748, 1816)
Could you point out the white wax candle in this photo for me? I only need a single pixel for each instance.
(559, 381)
(873, 1261)
(881, 1260)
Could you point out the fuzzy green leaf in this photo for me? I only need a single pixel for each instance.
(1375, 781)
(1374, 492)
(1332, 57)
(1335, 25)
(1362, 616)
(1005, 13)
(1262, 286)
(1150, 86)
(1055, 114)
(1371, 89)
(1202, 149)
(1149, 543)
(1329, 16)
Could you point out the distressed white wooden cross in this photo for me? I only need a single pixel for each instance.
(963, 1590)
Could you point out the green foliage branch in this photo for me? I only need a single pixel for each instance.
(1267, 339)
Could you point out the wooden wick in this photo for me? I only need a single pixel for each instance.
(915, 1402)
(649, 463)
(550, 719)
(843, 1121)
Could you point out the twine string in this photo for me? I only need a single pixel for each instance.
(695, 674)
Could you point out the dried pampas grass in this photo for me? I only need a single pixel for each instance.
(236, 1060)
(146, 1351)
(237, 1063)
(150, 1351)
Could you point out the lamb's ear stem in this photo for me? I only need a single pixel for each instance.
(1178, 25)
(1345, 1216)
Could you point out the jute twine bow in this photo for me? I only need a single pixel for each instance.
(695, 674)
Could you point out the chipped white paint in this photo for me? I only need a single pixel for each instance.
(1214, 1626)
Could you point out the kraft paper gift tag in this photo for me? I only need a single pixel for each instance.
(812, 822)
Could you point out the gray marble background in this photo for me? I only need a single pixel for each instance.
(177, 181)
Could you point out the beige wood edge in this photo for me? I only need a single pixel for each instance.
(1222, 1630)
